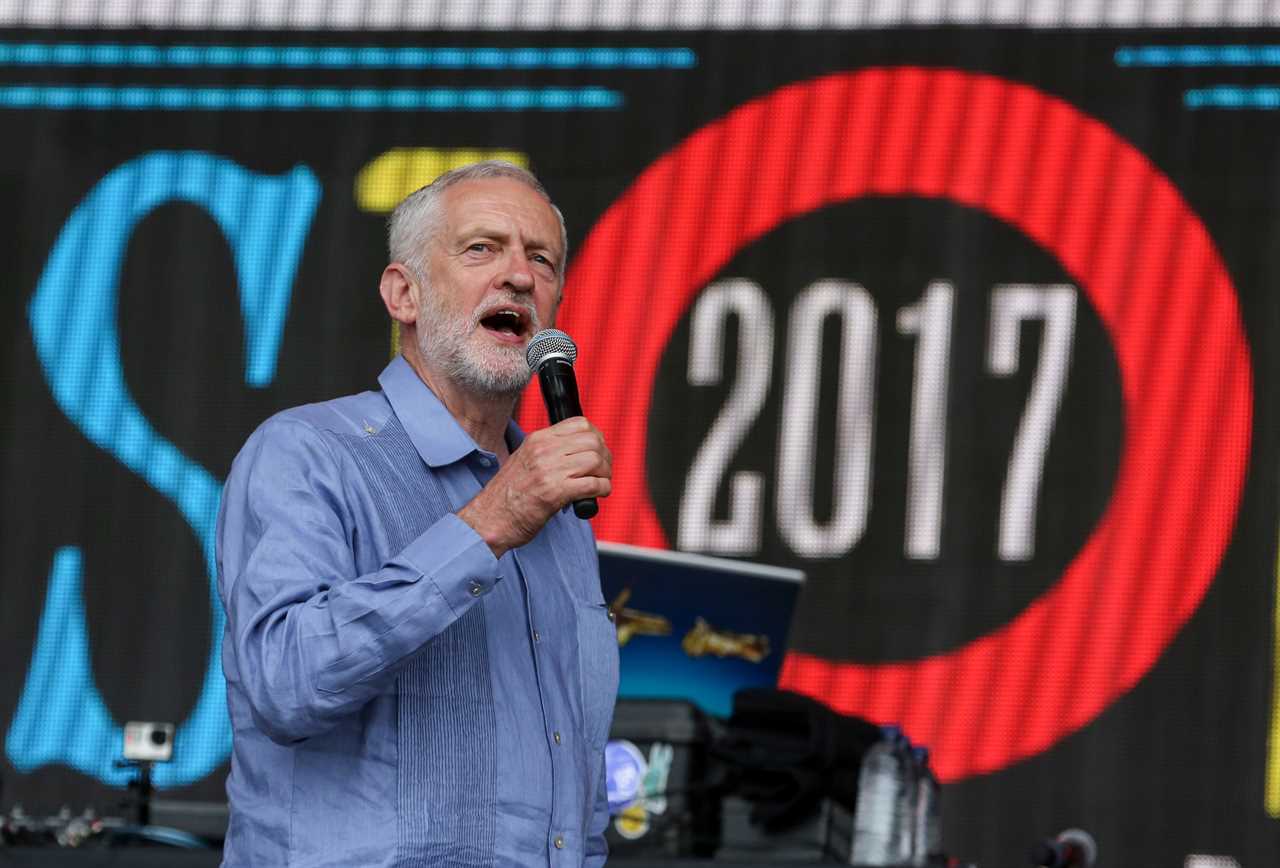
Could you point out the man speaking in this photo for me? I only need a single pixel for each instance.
(420, 666)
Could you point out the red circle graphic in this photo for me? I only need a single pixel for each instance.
(1118, 227)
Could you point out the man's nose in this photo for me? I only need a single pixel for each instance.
(519, 274)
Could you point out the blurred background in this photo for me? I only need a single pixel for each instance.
(965, 310)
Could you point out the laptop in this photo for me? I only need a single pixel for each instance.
(696, 627)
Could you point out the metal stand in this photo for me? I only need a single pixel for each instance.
(142, 789)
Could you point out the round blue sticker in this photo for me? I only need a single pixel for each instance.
(624, 772)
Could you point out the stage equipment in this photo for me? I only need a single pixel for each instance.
(1072, 848)
(145, 743)
(64, 829)
(660, 781)
(784, 779)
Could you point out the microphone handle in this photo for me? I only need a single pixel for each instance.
(559, 390)
(560, 393)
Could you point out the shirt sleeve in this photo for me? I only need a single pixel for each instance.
(309, 640)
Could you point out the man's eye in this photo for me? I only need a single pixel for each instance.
(479, 247)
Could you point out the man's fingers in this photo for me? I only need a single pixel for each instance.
(588, 464)
(571, 435)
(586, 441)
(553, 450)
(581, 487)
(572, 425)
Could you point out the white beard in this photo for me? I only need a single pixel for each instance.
(453, 342)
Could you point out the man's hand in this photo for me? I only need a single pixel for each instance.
(552, 468)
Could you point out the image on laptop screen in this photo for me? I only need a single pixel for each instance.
(696, 627)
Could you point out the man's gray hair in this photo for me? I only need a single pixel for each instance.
(416, 219)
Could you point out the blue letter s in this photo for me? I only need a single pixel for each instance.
(61, 715)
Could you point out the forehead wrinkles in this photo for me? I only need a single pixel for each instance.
(517, 211)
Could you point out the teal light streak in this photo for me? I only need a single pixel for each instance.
(1198, 55)
(340, 57)
(1265, 98)
(173, 98)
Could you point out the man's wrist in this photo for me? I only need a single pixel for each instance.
(475, 515)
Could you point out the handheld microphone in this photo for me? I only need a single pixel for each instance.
(551, 353)
(1074, 848)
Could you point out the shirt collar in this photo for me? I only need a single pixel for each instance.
(432, 429)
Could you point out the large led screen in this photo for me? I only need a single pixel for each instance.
(970, 316)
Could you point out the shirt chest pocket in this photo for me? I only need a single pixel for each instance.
(598, 665)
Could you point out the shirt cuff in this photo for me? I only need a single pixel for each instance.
(456, 560)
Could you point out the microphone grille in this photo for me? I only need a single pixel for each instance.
(548, 343)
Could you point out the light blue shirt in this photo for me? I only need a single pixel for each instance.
(398, 695)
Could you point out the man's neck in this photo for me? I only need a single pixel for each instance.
(484, 417)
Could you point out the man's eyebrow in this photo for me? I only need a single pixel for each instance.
(548, 244)
(538, 244)
(480, 230)
(483, 231)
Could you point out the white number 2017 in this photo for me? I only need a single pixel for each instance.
(930, 322)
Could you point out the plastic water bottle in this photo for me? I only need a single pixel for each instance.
(928, 813)
(882, 827)
(908, 789)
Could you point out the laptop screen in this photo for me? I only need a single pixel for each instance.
(695, 627)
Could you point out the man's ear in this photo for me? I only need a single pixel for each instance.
(400, 293)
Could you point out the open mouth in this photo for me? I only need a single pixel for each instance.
(508, 323)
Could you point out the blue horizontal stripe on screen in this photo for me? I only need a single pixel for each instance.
(167, 98)
(1198, 55)
(1231, 97)
(340, 57)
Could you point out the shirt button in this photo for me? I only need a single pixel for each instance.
(476, 590)
(484, 461)
(559, 842)
(556, 736)
(537, 637)
(612, 616)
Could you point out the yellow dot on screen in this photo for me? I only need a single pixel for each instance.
(394, 174)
